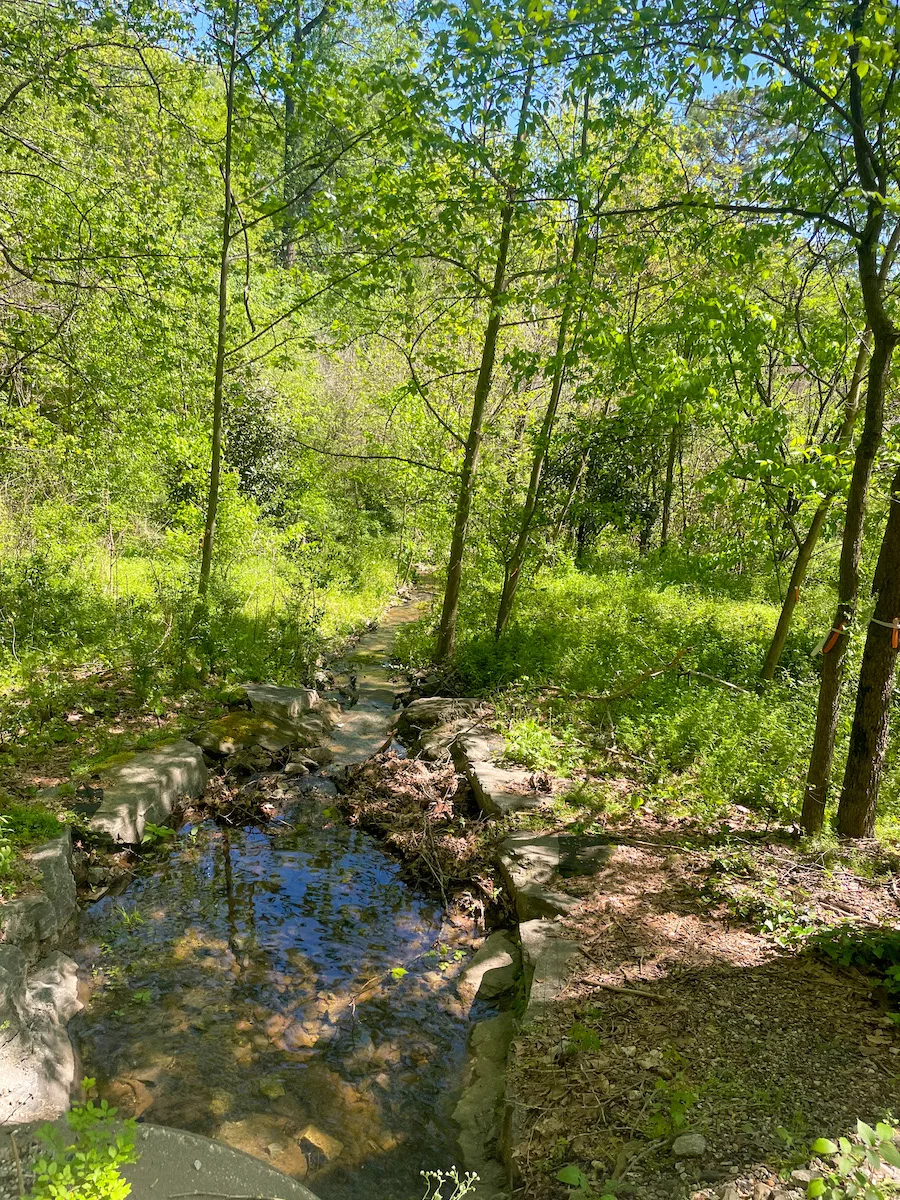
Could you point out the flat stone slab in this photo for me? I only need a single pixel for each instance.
(29, 922)
(492, 970)
(242, 730)
(529, 865)
(36, 922)
(501, 791)
(168, 1166)
(283, 703)
(147, 788)
(54, 861)
(533, 864)
(37, 1063)
(440, 710)
(547, 957)
(479, 1111)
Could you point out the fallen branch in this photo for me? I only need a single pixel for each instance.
(734, 687)
(628, 991)
(605, 697)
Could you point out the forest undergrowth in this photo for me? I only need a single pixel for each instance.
(697, 740)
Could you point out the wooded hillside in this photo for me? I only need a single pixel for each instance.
(591, 307)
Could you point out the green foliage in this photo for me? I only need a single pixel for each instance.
(21, 826)
(84, 1164)
(672, 1102)
(874, 950)
(857, 1172)
(687, 744)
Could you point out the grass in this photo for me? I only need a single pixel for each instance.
(100, 657)
(22, 826)
(683, 744)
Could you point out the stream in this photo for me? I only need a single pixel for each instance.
(283, 990)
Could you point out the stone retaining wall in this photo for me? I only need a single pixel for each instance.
(531, 866)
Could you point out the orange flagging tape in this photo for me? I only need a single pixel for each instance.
(835, 634)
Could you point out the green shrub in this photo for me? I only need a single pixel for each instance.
(85, 1164)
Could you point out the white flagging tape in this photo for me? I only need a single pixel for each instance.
(894, 627)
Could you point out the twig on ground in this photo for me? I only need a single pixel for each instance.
(734, 687)
(15, 1150)
(628, 991)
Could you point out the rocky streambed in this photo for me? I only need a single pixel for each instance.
(268, 978)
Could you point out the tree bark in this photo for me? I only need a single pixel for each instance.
(669, 489)
(871, 719)
(805, 553)
(819, 774)
(215, 469)
(288, 244)
(513, 567)
(872, 282)
(446, 640)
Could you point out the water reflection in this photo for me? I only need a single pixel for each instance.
(282, 990)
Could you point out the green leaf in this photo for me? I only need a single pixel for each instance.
(573, 1176)
(398, 972)
(815, 1187)
(824, 1146)
(866, 1133)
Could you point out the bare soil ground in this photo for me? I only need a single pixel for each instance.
(682, 1017)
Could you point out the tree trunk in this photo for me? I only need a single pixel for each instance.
(805, 553)
(669, 489)
(447, 631)
(871, 720)
(288, 245)
(819, 774)
(513, 567)
(872, 283)
(215, 469)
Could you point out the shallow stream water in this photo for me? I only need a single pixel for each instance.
(283, 990)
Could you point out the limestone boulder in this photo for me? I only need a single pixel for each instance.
(38, 1067)
(439, 710)
(493, 969)
(500, 791)
(241, 730)
(36, 922)
(547, 958)
(147, 788)
(53, 860)
(30, 924)
(282, 703)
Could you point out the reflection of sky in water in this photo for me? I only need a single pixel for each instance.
(255, 996)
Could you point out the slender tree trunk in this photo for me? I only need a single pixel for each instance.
(215, 469)
(872, 282)
(871, 720)
(835, 650)
(513, 567)
(669, 489)
(805, 553)
(447, 631)
(288, 245)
